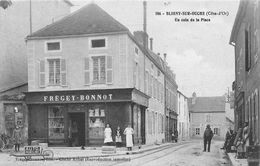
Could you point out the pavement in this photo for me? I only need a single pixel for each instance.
(96, 151)
(236, 162)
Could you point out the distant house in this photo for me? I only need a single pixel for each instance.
(183, 117)
(208, 110)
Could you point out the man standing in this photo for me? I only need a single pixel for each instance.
(208, 134)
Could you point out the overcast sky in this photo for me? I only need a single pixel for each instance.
(198, 52)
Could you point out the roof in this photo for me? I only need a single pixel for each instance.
(68, 2)
(90, 19)
(207, 104)
(239, 18)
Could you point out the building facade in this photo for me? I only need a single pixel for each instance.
(93, 71)
(245, 38)
(183, 117)
(16, 24)
(170, 102)
(14, 111)
(208, 110)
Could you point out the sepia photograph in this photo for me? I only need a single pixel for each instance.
(129, 83)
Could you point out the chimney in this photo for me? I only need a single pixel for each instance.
(164, 57)
(194, 96)
(144, 26)
(151, 44)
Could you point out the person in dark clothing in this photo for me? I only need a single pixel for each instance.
(228, 140)
(208, 134)
(176, 134)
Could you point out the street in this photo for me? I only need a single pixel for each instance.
(184, 154)
(190, 154)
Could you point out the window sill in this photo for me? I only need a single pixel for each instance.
(98, 82)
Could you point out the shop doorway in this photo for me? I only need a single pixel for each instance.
(77, 129)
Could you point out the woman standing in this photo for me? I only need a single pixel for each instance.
(245, 137)
(108, 135)
(118, 137)
(17, 137)
(129, 131)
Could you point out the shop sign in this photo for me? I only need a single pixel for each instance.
(71, 98)
(33, 150)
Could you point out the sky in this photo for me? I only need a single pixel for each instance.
(199, 52)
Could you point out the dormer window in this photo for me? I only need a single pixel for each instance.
(97, 43)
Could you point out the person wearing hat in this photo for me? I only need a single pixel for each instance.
(208, 134)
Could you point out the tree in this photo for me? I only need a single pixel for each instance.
(5, 3)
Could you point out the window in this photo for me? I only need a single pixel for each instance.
(98, 43)
(99, 69)
(216, 131)
(197, 131)
(56, 122)
(146, 82)
(248, 48)
(136, 51)
(158, 73)
(54, 71)
(136, 80)
(53, 46)
(150, 122)
(208, 118)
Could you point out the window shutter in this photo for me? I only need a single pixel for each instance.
(87, 72)
(63, 72)
(42, 73)
(109, 71)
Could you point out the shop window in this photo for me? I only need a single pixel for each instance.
(197, 131)
(56, 122)
(99, 69)
(96, 122)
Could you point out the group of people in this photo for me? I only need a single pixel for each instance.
(129, 131)
(238, 139)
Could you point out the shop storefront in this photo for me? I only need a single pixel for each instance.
(57, 117)
(13, 113)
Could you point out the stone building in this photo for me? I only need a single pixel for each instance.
(208, 110)
(245, 38)
(183, 117)
(89, 69)
(171, 100)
